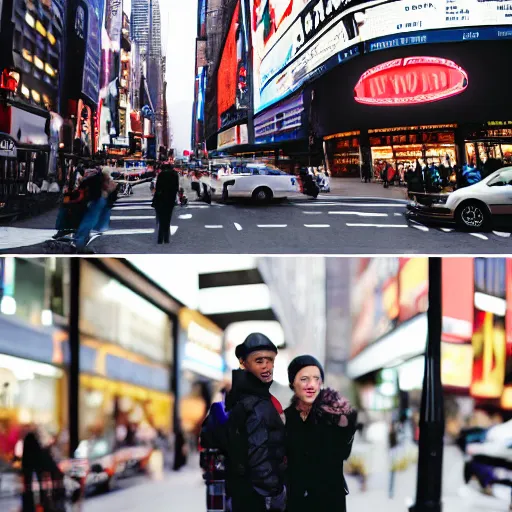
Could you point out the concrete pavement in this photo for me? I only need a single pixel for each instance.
(185, 491)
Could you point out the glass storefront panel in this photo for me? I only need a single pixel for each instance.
(111, 312)
(29, 393)
(106, 405)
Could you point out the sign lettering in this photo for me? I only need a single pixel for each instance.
(411, 80)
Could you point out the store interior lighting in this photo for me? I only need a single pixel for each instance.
(24, 369)
(8, 305)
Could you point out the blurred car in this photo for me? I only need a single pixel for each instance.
(260, 182)
(105, 463)
(489, 457)
(476, 207)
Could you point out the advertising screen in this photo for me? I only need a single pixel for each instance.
(283, 122)
(413, 286)
(489, 336)
(298, 40)
(87, 26)
(232, 89)
(110, 70)
(374, 301)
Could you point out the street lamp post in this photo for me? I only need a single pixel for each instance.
(430, 461)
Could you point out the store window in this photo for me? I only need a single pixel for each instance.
(113, 313)
(399, 149)
(30, 392)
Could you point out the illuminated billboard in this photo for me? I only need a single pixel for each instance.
(410, 81)
(110, 71)
(232, 87)
(295, 41)
(87, 28)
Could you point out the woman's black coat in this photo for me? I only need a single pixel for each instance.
(316, 449)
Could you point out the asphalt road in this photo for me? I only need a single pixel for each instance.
(330, 225)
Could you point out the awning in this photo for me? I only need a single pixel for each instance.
(229, 297)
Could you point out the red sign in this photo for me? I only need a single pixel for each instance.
(227, 74)
(458, 299)
(410, 81)
(508, 320)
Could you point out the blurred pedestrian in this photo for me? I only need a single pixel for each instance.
(164, 200)
(320, 429)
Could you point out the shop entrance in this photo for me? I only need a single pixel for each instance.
(343, 153)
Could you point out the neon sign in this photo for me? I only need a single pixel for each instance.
(409, 81)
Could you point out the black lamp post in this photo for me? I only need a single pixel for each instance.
(430, 461)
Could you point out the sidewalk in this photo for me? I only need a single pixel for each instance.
(353, 187)
(457, 497)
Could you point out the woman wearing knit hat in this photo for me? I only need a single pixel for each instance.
(320, 428)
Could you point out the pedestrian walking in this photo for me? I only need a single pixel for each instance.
(253, 438)
(320, 429)
(164, 200)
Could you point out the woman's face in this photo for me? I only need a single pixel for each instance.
(307, 384)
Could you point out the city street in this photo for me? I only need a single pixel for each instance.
(186, 491)
(333, 224)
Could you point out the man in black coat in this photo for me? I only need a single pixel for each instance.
(255, 462)
(167, 186)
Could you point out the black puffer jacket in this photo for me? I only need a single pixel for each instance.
(256, 462)
(316, 449)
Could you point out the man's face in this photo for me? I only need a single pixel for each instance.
(261, 364)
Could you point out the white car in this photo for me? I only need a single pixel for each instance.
(260, 182)
(475, 207)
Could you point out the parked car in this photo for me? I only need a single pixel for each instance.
(260, 182)
(476, 207)
(105, 463)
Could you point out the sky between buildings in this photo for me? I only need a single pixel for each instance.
(179, 30)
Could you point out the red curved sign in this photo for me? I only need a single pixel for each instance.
(410, 81)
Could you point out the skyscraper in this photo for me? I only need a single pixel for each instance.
(140, 24)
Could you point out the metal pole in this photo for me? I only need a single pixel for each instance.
(430, 461)
(74, 349)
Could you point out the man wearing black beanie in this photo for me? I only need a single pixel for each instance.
(255, 462)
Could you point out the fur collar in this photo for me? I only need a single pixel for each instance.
(329, 407)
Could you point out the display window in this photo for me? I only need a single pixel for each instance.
(106, 404)
(398, 153)
(30, 392)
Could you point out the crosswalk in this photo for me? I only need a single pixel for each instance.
(326, 218)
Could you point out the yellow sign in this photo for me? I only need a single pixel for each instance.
(456, 365)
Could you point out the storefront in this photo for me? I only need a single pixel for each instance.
(490, 141)
(126, 356)
(400, 109)
(202, 364)
(476, 343)
(343, 154)
(32, 383)
(24, 155)
(402, 147)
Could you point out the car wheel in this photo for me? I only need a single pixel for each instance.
(262, 195)
(473, 215)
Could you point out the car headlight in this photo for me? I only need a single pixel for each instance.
(441, 200)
